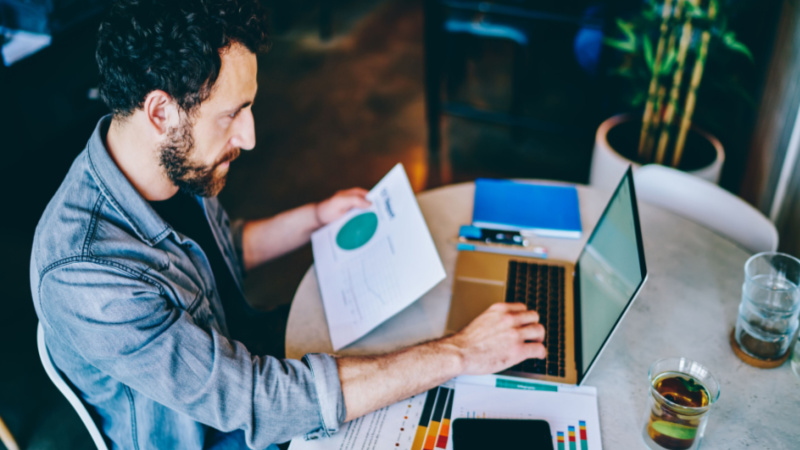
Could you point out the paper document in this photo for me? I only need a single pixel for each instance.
(373, 263)
(571, 411)
(420, 422)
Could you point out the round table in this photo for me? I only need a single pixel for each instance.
(687, 307)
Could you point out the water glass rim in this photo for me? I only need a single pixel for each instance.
(712, 396)
(748, 267)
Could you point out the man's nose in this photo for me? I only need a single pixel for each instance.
(245, 134)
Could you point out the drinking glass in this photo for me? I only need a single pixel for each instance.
(682, 393)
(768, 312)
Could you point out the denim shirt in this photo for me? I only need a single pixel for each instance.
(132, 318)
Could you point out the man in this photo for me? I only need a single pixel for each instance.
(136, 270)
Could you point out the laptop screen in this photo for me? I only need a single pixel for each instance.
(611, 269)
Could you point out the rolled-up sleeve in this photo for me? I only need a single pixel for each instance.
(329, 392)
(125, 325)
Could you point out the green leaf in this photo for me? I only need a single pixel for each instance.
(669, 61)
(624, 46)
(693, 10)
(627, 28)
(648, 53)
(729, 39)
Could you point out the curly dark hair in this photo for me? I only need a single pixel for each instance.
(172, 45)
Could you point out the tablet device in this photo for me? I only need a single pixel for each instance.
(482, 434)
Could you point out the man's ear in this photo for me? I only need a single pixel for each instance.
(161, 111)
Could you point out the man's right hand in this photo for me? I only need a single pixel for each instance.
(502, 336)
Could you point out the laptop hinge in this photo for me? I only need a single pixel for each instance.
(576, 295)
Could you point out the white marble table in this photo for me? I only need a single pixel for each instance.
(687, 308)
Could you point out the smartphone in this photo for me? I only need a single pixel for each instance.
(482, 434)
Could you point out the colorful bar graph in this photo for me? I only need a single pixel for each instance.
(436, 419)
(584, 441)
(560, 439)
(444, 432)
(422, 428)
(572, 443)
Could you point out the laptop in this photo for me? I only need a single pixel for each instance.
(580, 303)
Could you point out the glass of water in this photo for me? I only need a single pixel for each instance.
(768, 313)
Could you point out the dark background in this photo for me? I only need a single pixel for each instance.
(329, 115)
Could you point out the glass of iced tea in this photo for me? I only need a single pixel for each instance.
(682, 393)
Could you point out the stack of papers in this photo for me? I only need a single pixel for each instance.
(423, 421)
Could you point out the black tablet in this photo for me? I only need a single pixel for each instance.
(482, 434)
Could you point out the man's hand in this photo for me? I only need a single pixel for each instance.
(331, 209)
(502, 336)
(266, 239)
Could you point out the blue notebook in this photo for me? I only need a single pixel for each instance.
(541, 209)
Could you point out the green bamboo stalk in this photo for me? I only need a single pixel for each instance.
(666, 13)
(672, 106)
(662, 92)
(691, 97)
(656, 123)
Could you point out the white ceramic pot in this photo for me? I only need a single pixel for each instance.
(608, 166)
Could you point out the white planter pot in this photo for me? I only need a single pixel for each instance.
(608, 165)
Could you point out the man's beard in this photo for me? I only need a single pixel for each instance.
(191, 177)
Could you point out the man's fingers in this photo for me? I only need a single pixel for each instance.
(535, 350)
(533, 332)
(526, 317)
(508, 307)
(357, 192)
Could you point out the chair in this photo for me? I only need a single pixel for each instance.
(707, 204)
(66, 390)
(534, 30)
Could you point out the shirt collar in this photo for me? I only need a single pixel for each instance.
(148, 225)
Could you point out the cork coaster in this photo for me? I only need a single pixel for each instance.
(755, 362)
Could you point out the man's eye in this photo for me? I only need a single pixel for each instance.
(233, 114)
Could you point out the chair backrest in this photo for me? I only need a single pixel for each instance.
(66, 390)
(707, 204)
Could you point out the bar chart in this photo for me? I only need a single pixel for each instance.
(576, 441)
(572, 416)
(434, 424)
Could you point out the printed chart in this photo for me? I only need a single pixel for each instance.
(357, 231)
(571, 438)
(434, 424)
(372, 263)
(572, 414)
(421, 422)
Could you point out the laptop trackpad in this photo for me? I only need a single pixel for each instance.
(470, 299)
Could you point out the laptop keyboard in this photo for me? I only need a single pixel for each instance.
(541, 288)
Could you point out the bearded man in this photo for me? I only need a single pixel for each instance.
(137, 272)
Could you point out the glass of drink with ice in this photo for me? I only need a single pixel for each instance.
(682, 393)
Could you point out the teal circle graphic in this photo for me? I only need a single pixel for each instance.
(357, 231)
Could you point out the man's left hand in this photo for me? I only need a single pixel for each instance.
(331, 209)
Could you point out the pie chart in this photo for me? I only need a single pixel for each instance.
(357, 231)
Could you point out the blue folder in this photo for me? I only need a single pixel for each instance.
(540, 209)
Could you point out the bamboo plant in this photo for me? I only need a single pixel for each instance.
(684, 30)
